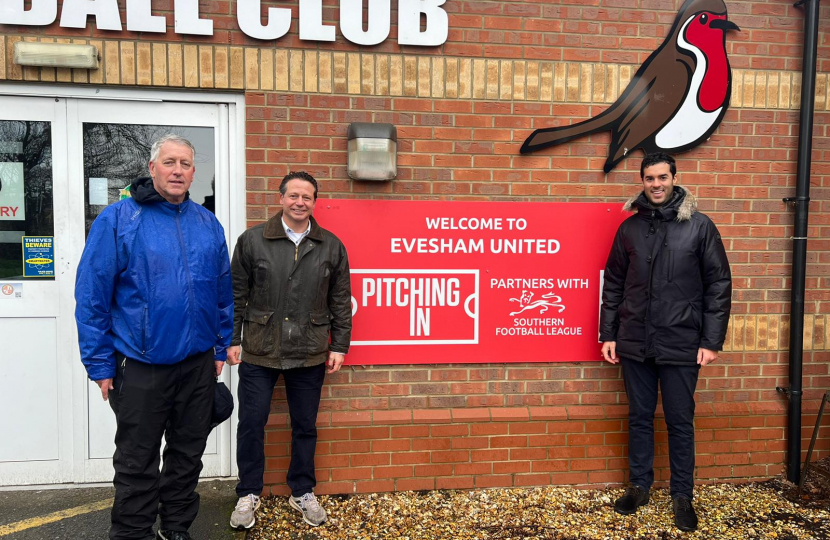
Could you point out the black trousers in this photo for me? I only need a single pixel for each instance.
(150, 401)
(256, 387)
(677, 386)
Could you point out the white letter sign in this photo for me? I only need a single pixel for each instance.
(141, 19)
(409, 22)
(188, 21)
(43, 12)
(106, 14)
(248, 16)
(351, 21)
(311, 22)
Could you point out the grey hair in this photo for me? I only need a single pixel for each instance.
(170, 138)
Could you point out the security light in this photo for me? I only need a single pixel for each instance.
(372, 151)
(64, 55)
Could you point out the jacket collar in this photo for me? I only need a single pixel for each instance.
(273, 229)
(143, 191)
(680, 208)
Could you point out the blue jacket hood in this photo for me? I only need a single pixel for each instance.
(143, 191)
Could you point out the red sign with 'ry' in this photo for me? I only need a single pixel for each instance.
(439, 282)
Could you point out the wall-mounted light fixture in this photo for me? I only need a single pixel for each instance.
(373, 150)
(65, 55)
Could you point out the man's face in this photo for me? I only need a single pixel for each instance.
(658, 183)
(173, 171)
(297, 203)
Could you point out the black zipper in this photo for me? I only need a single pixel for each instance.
(144, 332)
(123, 372)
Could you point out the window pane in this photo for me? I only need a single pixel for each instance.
(117, 154)
(26, 200)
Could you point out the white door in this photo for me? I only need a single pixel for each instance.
(109, 146)
(62, 160)
(36, 259)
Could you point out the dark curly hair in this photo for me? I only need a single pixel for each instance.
(299, 175)
(658, 157)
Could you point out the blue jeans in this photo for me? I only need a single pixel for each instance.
(677, 386)
(303, 387)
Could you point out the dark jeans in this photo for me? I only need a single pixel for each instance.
(302, 389)
(677, 386)
(150, 401)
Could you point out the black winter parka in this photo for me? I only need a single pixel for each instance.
(667, 286)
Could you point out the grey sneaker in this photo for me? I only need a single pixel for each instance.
(313, 513)
(243, 514)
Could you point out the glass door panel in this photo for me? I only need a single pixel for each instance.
(27, 221)
(113, 148)
(35, 293)
(117, 154)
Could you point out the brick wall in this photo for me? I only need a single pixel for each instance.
(462, 111)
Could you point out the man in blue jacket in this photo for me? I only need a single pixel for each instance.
(155, 317)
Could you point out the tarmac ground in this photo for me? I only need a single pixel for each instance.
(63, 513)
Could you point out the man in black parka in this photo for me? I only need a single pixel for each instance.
(665, 308)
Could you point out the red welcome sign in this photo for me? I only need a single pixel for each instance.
(466, 282)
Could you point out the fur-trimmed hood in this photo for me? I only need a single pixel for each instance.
(682, 202)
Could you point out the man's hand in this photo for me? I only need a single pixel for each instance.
(219, 365)
(233, 355)
(106, 386)
(335, 361)
(609, 352)
(706, 356)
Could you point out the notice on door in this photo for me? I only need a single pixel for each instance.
(456, 282)
(11, 291)
(12, 200)
(38, 256)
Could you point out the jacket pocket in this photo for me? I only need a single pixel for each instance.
(623, 318)
(318, 335)
(688, 317)
(258, 331)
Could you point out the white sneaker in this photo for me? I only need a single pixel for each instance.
(244, 514)
(307, 505)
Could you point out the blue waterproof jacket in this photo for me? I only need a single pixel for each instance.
(153, 283)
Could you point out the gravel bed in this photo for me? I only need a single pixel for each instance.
(741, 511)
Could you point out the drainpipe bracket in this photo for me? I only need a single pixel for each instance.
(787, 391)
(796, 200)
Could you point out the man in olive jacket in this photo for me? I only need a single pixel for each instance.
(665, 308)
(291, 293)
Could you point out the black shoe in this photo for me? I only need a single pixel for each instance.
(172, 535)
(633, 498)
(684, 514)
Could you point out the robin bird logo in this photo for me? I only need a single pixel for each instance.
(676, 99)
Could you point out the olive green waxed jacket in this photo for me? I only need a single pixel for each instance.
(289, 298)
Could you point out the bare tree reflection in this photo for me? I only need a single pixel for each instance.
(118, 153)
(29, 143)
